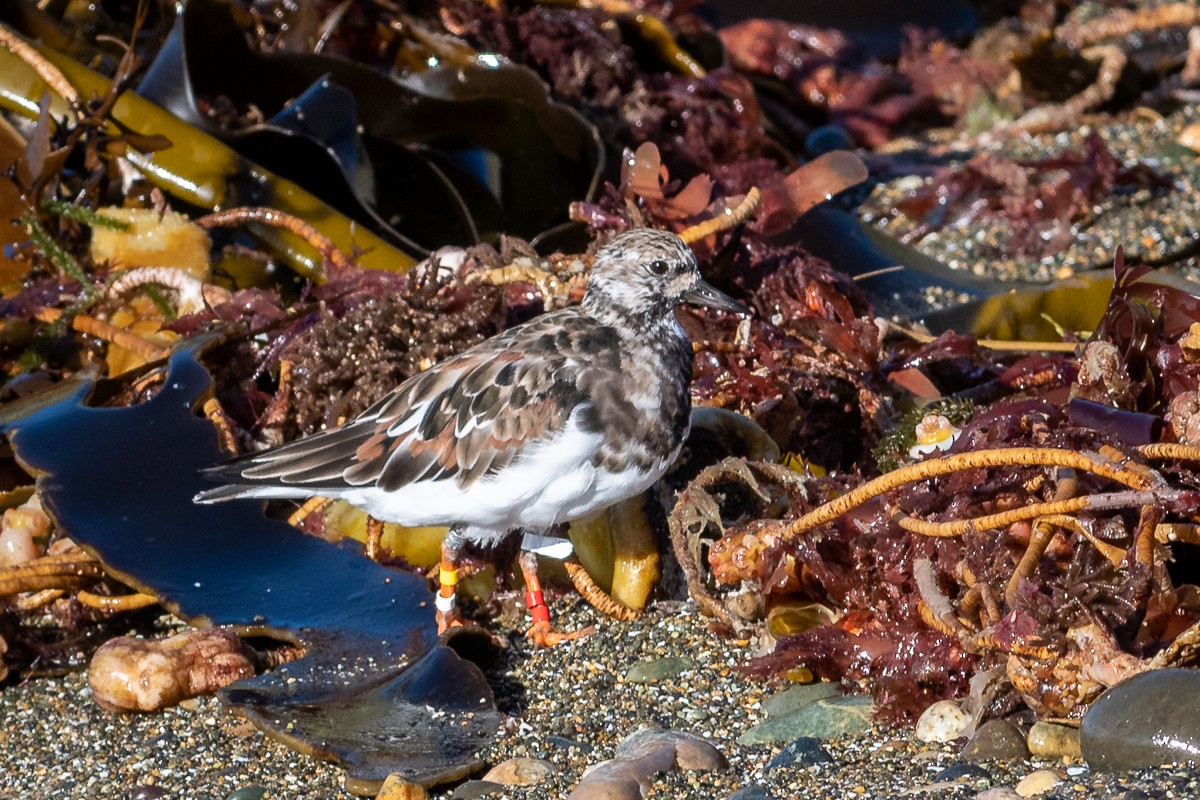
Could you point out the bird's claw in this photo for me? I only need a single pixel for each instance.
(542, 634)
(447, 620)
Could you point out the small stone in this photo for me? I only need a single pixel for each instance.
(795, 697)
(1189, 137)
(998, 793)
(996, 739)
(642, 755)
(964, 773)
(248, 793)
(472, 790)
(659, 669)
(565, 743)
(1038, 782)
(944, 721)
(520, 772)
(147, 791)
(396, 788)
(803, 752)
(1046, 739)
(751, 793)
(824, 719)
(1150, 719)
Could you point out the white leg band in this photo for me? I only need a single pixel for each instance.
(444, 603)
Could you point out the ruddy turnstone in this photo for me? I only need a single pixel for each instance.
(545, 423)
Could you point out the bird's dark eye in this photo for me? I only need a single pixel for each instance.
(658, 267)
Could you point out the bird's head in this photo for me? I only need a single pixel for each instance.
(643, 275)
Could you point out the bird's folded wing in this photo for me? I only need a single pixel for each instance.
(463, 419)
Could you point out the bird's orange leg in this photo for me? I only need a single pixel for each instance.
(446, 599)
(542, 633)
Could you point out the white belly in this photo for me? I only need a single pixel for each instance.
(551, 483)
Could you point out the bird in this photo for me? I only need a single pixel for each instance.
(548, 422)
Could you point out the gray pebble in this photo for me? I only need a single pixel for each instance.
(471, 790)
(824, 719)
(564, 743)
(996, 739)
(659, 669)
(1150, 719)
(963, 772)
(751, 793)
(799, 696)
(248, 793)
(803, 752)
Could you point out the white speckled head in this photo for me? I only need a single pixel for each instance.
(644, 274)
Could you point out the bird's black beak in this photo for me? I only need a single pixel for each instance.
(703, 294)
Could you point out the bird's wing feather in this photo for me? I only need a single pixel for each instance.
(465, 418)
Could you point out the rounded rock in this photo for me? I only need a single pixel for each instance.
(1038, 782)
(944, 721)
(802, 752)
(996, 739)
(397, 788)
(1150, 719)
(1049, 740)
(520, 772)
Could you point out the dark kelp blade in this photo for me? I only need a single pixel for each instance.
(375, 690)
(540, 155)
(200, 170)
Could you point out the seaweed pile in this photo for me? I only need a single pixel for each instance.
(337, 196)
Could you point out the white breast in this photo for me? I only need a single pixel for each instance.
(552, 482)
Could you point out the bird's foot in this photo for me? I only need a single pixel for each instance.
(542, 634)
(447, 620)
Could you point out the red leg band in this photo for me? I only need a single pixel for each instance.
(540, 614)
(534, 600)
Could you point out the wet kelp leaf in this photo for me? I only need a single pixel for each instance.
(463, 151)
(200, 170)
(375, 691)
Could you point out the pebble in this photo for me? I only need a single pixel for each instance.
(996, 739)
(563, 743)
(1049, 740)
(472, 790)
(803, 752)
(824, 719)
(148, 792)
(944, 721)
(796, 697)
(642, 755)
(660, 669)
(396, 788)
(1038, 782)
(998, 793)
(520, 772)
(1150, 719)
(963, 773)
(751, 793)
(56, 743)
(248, 793)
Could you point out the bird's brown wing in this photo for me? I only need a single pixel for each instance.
(464, 418)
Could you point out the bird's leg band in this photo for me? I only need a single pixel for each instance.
(534, 600)
(446, 599)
